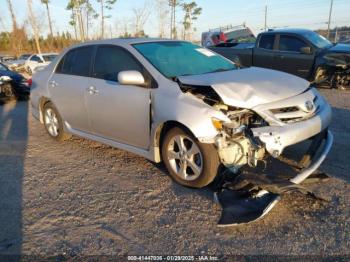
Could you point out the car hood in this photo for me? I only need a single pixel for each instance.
(249, 87)
(17, 62)
(344, 48)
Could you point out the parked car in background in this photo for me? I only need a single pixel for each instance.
(13, 85)
(38, 60)
(7, 58)
(237, 34)
(18, 62)
(300, 52)
(345, 41)
(179, 103)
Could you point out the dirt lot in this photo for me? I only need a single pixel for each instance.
(83, 198)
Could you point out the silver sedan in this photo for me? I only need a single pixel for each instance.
(179, 103)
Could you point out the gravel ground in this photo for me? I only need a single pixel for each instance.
(83, 198)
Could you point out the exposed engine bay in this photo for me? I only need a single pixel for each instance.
(236, 144)
(334, 76)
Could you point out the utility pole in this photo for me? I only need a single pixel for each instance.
(265, 27)
(336, 34)
(329, 20)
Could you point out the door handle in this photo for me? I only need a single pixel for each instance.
(53, 83)
(92, 90)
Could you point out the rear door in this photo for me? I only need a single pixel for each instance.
(68, 86)
(263, 53)
(290, 59)
(118, 112)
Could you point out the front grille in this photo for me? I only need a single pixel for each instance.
(293, 114)
(284, 110)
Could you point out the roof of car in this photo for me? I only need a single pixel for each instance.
(48, 53)
(289, 30)
(124, 41)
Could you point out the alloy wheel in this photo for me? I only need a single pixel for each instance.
(51, 122)
(185, 157)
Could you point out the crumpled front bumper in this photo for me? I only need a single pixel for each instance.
(277, 138)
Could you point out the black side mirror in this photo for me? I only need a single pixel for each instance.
(306, 50)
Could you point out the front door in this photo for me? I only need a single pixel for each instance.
(118, 112)
(290, 59)
(68, 85)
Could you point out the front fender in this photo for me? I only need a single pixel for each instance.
(188, 110)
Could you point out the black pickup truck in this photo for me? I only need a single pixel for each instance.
(296, 51)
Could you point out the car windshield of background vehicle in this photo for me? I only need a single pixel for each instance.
(318, 40)
(24, 57)
(49, 58)
(175, 59)
(2, 68)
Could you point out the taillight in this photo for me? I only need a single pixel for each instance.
(29, 82)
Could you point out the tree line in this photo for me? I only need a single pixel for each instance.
(83, 17)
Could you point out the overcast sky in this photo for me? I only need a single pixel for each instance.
(310, 14)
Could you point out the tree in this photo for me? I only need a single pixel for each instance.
(76, 7)
(105, 4)
(13, 17)
(90, 13)
(162, 13)
(141, 15)
(18, 36)
(34, 25)
(173, 5)
(46, 3)
(192, 11)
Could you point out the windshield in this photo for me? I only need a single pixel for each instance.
(174, 59)
(49, 58)
(24, 57)
(318, 40)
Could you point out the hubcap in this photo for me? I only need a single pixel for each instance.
(51, 122)
(185, 157)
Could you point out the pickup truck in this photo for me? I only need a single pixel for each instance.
(300, 52)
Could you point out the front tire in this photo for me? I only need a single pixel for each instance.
(189, 162)
(53, 123)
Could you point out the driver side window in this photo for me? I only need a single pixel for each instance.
(110, 60)
(291, 44)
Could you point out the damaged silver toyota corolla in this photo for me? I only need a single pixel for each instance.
(176, 102)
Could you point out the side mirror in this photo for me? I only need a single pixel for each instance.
(131, 77)
(40, 61)
(306, 50)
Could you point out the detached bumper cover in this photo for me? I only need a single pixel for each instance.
(238, 208)
(276, 138)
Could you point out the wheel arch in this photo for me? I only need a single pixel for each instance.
(42, 102)
(160, 132)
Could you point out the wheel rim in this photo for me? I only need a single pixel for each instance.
(51, 122)
(184, 157)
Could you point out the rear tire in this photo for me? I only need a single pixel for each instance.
(53, 123)
(189, 162)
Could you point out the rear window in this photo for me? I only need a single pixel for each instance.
(35, 58)
(76, 62)
(49, 58)
(267, 41)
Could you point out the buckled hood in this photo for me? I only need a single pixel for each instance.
(249, 87)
